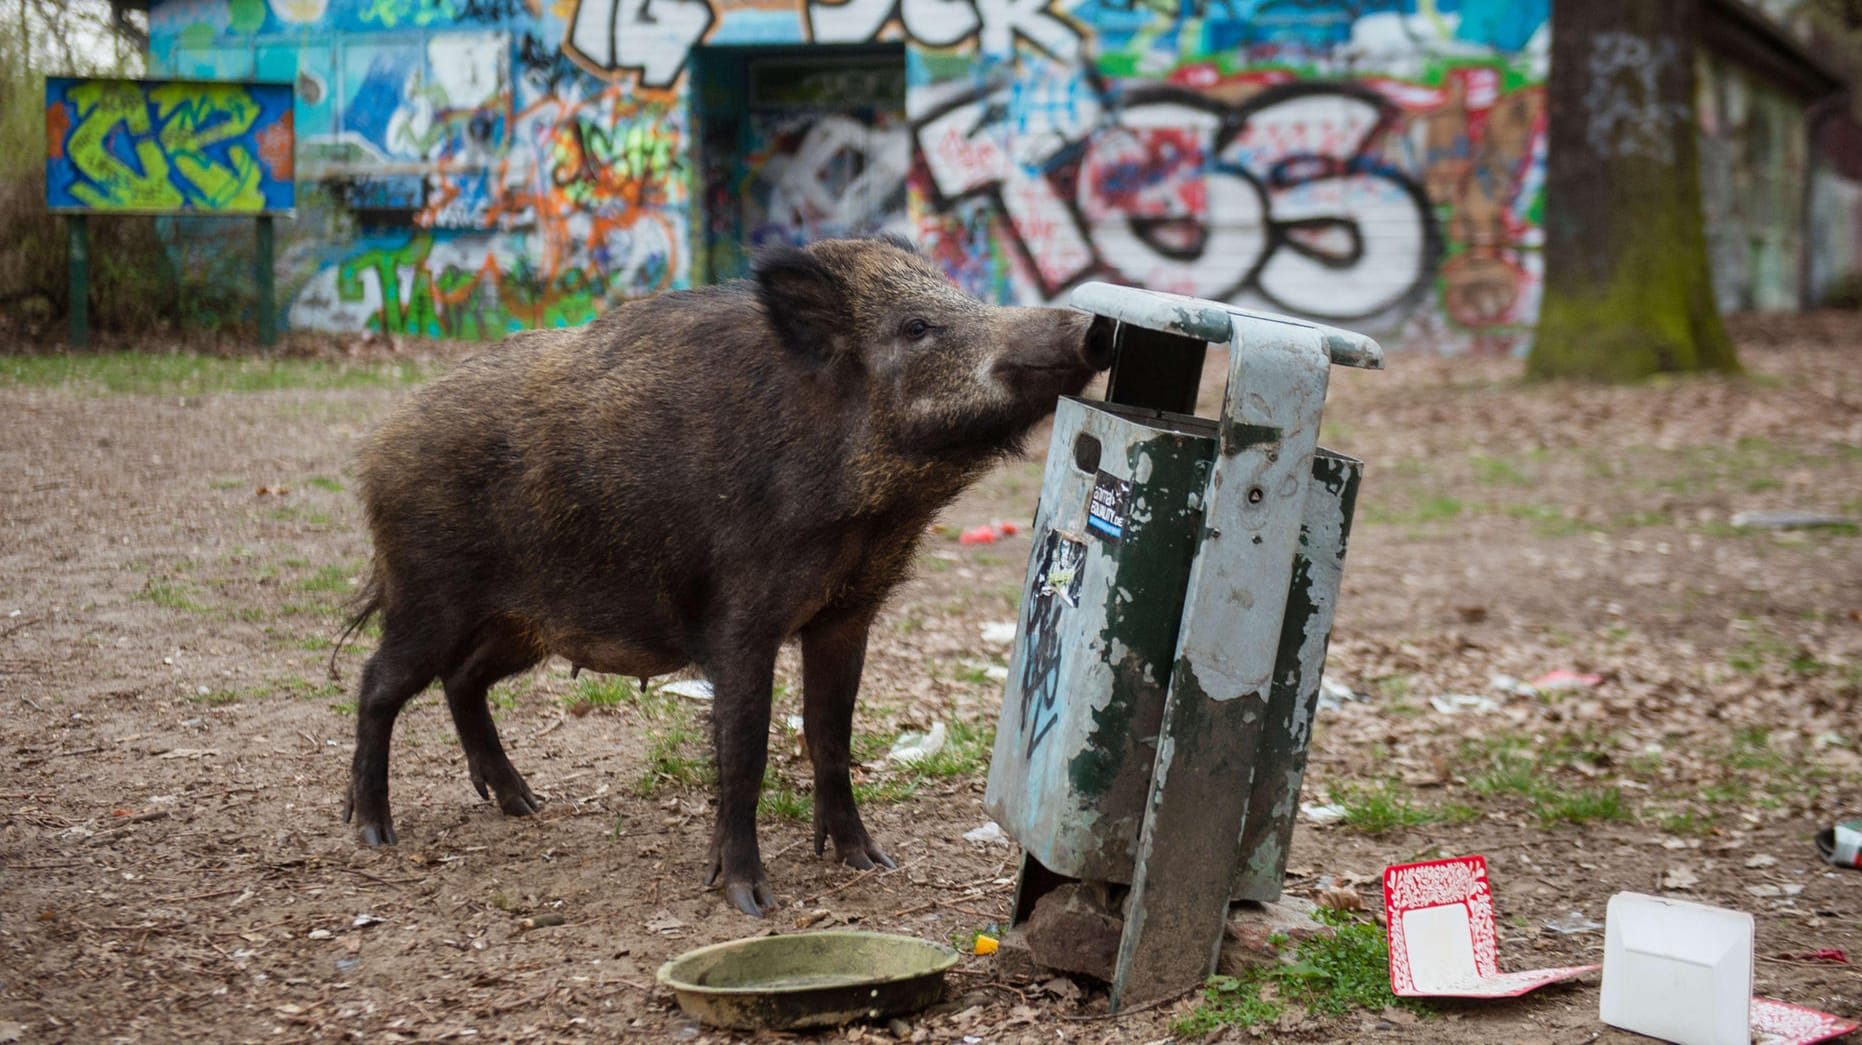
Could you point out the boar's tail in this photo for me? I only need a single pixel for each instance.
(366, 603)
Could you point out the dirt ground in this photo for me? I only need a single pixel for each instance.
(173, 563)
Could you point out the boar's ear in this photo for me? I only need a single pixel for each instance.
(898, 241)
(805, 301)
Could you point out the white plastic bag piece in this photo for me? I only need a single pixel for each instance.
(916, 747)
(691, 689)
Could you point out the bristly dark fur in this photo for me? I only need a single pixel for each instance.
(695, 478)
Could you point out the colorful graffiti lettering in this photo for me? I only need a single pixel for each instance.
(650, 37)
(470, 286)
(1283, 196)
(145, 145)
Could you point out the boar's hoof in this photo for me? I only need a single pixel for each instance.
(863, 857)
(372, 829)
(852, 845)
(514, 796)
(750, 897)
(748, 892)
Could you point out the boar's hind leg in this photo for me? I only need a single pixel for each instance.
(399, 668)
(740, 738)
(833, 653)
(501, 651)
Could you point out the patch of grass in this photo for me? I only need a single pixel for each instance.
(1427, 509)
(304, 689)
(1549, 521)
(1644, 763)
(1689, 823)
(503, 697)
(613, 691)
(220, 697)
(867, 747)
(1497, 471)
(1579, 807)
(602, 691)
(324, 482)
(1329, 976)
(314, 609)
(779, 801)
(293, 513)
(1752, 749)
(1511, 766)
(1759, 648)
(1508, 767)
(174, 595)
(186, 373)
(886, 791)
(329, 578)
(675, 758)
(1387, 805)
(1635, 519)
(965, 753)
(974, 674)
(227, 484)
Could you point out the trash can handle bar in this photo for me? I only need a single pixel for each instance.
(1212, 321)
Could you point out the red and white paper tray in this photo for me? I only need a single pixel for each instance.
(1442, 941)
(1777, 1023)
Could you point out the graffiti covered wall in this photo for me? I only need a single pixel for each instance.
(468, 167)
(155, 146)
(1754, 155)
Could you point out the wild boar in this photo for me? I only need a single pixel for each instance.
(694, 478)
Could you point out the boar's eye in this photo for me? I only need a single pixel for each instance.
(916, 329)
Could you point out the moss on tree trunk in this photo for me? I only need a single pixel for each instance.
(1627, 290)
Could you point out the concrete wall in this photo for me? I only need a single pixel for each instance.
(468, 167)
(1753, 183)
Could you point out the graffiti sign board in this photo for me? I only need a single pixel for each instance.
(168, 146)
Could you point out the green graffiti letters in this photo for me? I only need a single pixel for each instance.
(173, 166)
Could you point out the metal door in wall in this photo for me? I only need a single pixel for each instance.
(799, 144)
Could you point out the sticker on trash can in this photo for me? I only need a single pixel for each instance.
(1063, 564)
(1105, 510)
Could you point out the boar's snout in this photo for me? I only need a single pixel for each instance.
(1100, 347)
(1055, 351)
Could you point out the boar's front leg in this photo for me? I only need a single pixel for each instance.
(742, 680)
(833, 653)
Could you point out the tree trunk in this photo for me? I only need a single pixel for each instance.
(1627, 288)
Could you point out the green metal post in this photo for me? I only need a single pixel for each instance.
(268, 304)
(77, 241)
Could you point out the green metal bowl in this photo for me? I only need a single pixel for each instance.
(819, 979)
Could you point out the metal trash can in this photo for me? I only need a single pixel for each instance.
(1173, 628)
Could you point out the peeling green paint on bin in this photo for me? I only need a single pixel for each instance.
(1153, 566)
(1077, 738)
(1212, 547)
(1293, 699)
